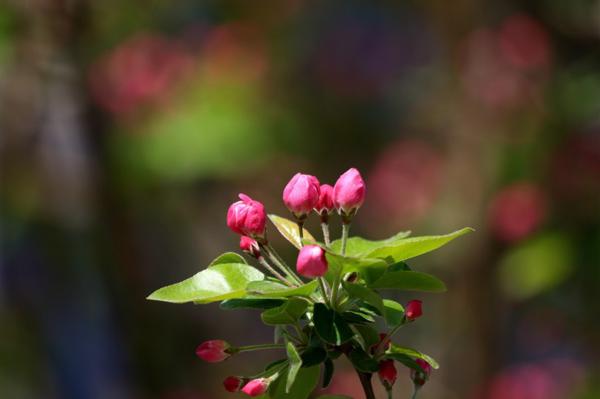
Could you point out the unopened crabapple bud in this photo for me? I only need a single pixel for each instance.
(250, 246)
(214, 351)
(387, 373)
(256, 387)
(325, 205)
(413, 310)
(301, 194)
(247, 217)
(311, 261)
(349, 192)
(233, 384)
(419, 378)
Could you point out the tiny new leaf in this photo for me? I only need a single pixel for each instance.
(289, 230)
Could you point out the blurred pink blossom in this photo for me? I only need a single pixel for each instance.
(404, 182)
(524, 42)
(141, 70)
(516, 211)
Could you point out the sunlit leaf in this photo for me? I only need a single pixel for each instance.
(393, 312)
(289, 230)
(273, 289)
(358, 246)
(228, 257)
(217, 283)
(413, 353)
(410, 247)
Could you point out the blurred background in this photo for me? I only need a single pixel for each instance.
(127, 129)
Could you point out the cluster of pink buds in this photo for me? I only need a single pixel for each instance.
(325, 305)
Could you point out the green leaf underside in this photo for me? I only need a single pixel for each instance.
(358, 246)
(330, 326)
(288, 313)
(228, 257)
(410, 281)
(305, 383)
(366, 294)
(410, 247)
(273, 289)
(295, 364)
(250, 303)
(289, 230)
(412, 353)
(362, 361)
(216, 283)
(393, 312)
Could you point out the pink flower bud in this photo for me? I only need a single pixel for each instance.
(213, 351)
(250, 246)
(349, 192)
(301, 194)
(420, 377)
(256, 387)
(413, 310)
(233, 384)
(311, 261)
(387, 372)
(247, 217)
(325, 203)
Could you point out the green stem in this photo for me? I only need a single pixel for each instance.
(250, 348)
(301, 335)
(389, 393)
(323, 285)
(325, 228)
(275, 258)
(300, 230)
(345, 232)
(388, 336)
(274, 272)
(415, 392)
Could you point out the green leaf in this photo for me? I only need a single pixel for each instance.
(410, 281)
(358, 246)
(410, 247)
(288, 313)
(413, 353)
(393, 312)
(250, 303)
(217, 283)
(362, 361)
(273, 289)
(370, 269)
(355, 317)
(289, 230)
(330, 326)
(295, 364)
(364, 293)
(328, 370)
(305, 383)
(313, 355)
(228, 257)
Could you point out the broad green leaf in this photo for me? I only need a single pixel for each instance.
(369, 334)
(330, 326)
(395, 349)
(358, 246)
(313, 355)
(364, 293)
(355, 317)
(393, 312)
(295, 364)
(410, 247)
(370, 269)
(362, 361)
(289, 230)
(250, 303)
(228, 257)
(217, 283)
(328, 369)
(410, 281)
(273, 289)
(305, 383)
(288, 313)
